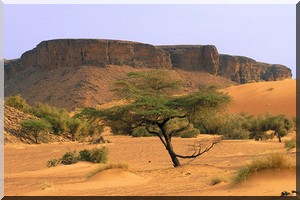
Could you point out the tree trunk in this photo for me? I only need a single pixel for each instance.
(169, 146)
(279, 138)
(172, 154)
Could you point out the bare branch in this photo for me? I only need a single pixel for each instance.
(198, 151)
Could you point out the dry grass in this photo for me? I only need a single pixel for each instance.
(101, 168)
(216, 180)
(272, 161)
(290, 144)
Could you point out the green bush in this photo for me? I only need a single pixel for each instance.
(55, 116)
(53, 162)
(99, 155)
(75, 127)
(69, 158)
(85, 155)
(96, 155)
(17, 102)
(190, 134)
(36, 128)
(140, 132)
(235, 128)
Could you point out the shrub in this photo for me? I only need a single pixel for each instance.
(17, 102)
(75, 126)
(35, 128)
(96, 155)
(55, 116)
(140, 132)
(216, 180)
(99, 155)
(235, 128)
(100, 140)
(53, 162)
(69, 158)
(85, 155)
(291, 144)
(189, 134)
(272, 161)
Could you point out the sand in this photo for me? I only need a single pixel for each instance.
(274, 97)
(150, 168)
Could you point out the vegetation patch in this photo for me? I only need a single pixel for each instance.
(101, 168)
(95, 155)
(291, 143)
(272, 161)
(216, 180)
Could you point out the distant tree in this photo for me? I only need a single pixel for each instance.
(35, 127)
(75, 125)
(153, 106)
(281, 124)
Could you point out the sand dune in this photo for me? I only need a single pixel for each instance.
(274, 97)
(151, 171)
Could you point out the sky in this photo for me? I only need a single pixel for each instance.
(266, 33)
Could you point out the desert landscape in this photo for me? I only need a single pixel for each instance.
(141, 166)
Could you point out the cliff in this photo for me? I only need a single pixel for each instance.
(239, 69)
(89, 52)
(64, 53)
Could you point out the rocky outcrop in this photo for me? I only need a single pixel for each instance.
(72, 53)
(242, 69)
(194, 57)
(90, 52)
(239, 69)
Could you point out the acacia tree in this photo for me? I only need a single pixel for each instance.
(35, 127)
(153, 105)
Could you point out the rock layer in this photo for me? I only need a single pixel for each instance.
(90, 52)
(62, 53)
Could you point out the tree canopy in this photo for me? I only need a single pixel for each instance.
(154, 105)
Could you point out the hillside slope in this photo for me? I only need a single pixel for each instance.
(75, 87)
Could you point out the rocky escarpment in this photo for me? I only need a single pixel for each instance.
(242, 69)
(194, 57)
(89, 52)
(239, 69)
(64, 53)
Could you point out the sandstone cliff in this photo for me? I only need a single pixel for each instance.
(89, 52)
(63, 53)
(239, 69)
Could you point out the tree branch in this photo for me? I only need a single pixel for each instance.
(198, 152)
(157, 134)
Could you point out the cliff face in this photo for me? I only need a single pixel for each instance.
(242, 69)
(239, 69)
(90, 52)
(63, 53)
(194, 57)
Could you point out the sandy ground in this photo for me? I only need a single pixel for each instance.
(151, 171)
(274, 97)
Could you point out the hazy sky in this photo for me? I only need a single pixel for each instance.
(266, 33)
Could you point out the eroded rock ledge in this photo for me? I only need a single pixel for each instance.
(94, 52)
